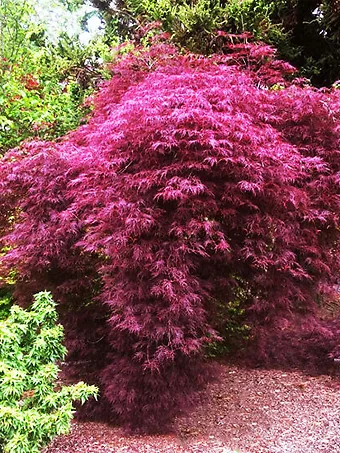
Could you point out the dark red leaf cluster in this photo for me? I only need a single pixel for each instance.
(30, 82)
(193, 179)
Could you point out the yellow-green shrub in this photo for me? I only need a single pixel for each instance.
(34, 406)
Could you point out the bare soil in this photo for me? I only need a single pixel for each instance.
(246, 411)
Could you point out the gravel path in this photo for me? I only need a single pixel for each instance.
(248, 411)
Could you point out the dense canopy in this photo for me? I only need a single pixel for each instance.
(195, 179)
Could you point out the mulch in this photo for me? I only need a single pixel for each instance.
(245, 411)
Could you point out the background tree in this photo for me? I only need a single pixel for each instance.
(193, 24)
(313, 27)
(43, 85)
(306, 32)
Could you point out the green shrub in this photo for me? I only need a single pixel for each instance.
(230, 322)
(193, 24)
(43, 84)
(34, 406)
(5, 302)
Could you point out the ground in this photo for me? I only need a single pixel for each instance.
(245, 410)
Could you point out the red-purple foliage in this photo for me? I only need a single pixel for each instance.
(192, 179)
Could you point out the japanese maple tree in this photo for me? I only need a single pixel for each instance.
(195, 178)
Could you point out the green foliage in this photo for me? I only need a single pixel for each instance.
(43, 96)
(42, 86)
(34, 406)
(229, 322)
(193, 23)
(16, 28)
(34, 103)
(314, 31)
(5, 302)
(306, 33)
